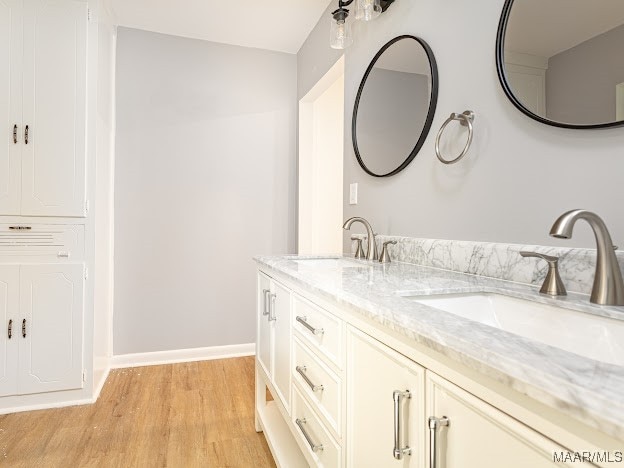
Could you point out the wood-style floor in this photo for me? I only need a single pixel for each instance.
(198, 414)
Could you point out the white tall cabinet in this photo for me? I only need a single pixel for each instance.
(49, 81)
(43, 85)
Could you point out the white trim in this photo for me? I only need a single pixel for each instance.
(182, 355)
(44, 406)
(99, 383)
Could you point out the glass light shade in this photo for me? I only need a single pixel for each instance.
(340, 34)
(367, 10)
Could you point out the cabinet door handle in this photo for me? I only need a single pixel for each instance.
(24, 328)
(15, 134)
(302, 372)
(313, 446)
(399, 450)
(265, 308)
(304, 321)
(272, 317)
(26, 134)
(10, 330)
(434, 423)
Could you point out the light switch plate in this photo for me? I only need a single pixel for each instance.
(353, 194)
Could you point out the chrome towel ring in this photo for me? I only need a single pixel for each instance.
(466, 119)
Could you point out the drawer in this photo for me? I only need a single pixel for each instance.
(326, 399)
(22, 242)
(319, 444)
(321, 330)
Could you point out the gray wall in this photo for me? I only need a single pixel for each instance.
(393, 109)
(580, 82)
(519, 175)
(204, 180)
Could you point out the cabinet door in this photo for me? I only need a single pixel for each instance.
(51, 302)
(263, 340)
(280, 317)
(9, 313)
(480, 436)
(54, 98)
(374, 373)
(10, 104)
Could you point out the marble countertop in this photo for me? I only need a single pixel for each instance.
(588, 390)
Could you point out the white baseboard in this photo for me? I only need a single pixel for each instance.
(182, 355)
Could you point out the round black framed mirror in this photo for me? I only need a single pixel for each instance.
(394, 106)
(560, 61)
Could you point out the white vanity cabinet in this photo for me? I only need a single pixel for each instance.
(42, 310)
(43, 89)
(478, 435)
(363, 397)
(385, 406)
(274, 335)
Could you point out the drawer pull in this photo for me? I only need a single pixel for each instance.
(399, 450)
(272, 316)
(265, 308)
(302, 372)
(434, 423)
(20, 228)
(304, 321)
(315, 447)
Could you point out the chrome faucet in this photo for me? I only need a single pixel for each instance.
(608, 286)
(371, 253)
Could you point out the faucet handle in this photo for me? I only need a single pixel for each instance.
(553, 285)
(359, 251)
(385, 254)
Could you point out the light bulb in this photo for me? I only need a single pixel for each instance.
(340, 34)
(367, 10)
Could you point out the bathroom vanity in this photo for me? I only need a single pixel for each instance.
(362, 364)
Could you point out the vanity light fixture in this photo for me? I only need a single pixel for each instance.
(365, 10)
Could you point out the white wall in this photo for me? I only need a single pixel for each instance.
(204, 180)
(519, 175)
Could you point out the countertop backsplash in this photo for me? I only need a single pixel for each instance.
(495, 260)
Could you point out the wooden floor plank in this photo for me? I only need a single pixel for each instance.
(198, 414)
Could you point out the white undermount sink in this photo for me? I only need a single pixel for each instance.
(595, 337)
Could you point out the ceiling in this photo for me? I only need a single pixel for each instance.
(281, 25)
(546, 28)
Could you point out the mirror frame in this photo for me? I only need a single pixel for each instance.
(500, 69)
(433, 101)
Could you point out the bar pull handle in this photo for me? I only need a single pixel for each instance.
(399, 450)
(302, 372)
(304, 321)
(20, 228)
(26, 134)
(265, 308)
(15, 134)
(272, 317)
(10, 330)
(314, 447)
(434, 423)
(24, 328)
